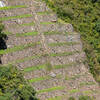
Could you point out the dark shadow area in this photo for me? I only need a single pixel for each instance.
(3, 45)
(3, 38)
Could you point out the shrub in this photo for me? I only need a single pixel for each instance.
(2, 35)
(84, 98)
(13, 86)
(71, 98)
(97, 26)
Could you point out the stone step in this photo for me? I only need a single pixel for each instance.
(30, 3)
(25, 52)
(17, 51)
(14, 41)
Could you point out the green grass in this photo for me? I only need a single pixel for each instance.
(12, 7)
(74, 91)
(51, 89)
(27, 24)
(75, 76)
(52, 32)
(63, 44)
(87, 83)
(42, 78)
(63, 54)
(38, 56)
(22, 60)
(44, 13)
(39, 79)
(33, 68)
(26, 34)
(56, 98)
(47, 23)
(15, 17)
(64, 65)
(18, 48)
(44, 66)
(7, 33)
(39, 67)
(58, 32)
(87, 92)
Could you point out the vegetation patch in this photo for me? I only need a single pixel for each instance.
(56, 98)
(47, 23)
(13, 85)
(63, 54)
(40, 55)
(39, 79)
(63, 44)
(18, 48)
(26, 34)
(44, 13)
(15, 17)
(44, 66)
(85, 98)
(51, 89)
(87, 83)
(33, 68)
(27, 24)
(42, 78)
(74, 91)
(12, 7)
(75, 76)
(52, 32)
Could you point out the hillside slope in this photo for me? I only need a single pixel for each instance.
(49, 52)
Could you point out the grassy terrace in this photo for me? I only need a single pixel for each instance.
(73, 91)
(39, 67)
(63, 54)
(52, 32)
(39, 56)
(57, 32)
(42, 78)
(26, 34)
(87, 83)
(18, 48)
(12, 7)
(63, 44)
(47, 23)
(15, 17)
(51, 89)
(27, 24)
(44, 13)
(56, 98)
(75, 76)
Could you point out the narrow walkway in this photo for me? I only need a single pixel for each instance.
(49, 52)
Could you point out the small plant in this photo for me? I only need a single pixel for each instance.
(71, 98)
(85, 98)
(2, 35)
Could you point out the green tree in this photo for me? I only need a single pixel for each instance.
(13, 86)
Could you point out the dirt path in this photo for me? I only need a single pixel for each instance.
(48, 51)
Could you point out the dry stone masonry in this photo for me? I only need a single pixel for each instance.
(48, 51)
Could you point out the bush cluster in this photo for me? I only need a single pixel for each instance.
(13, 86)
(82, 97)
